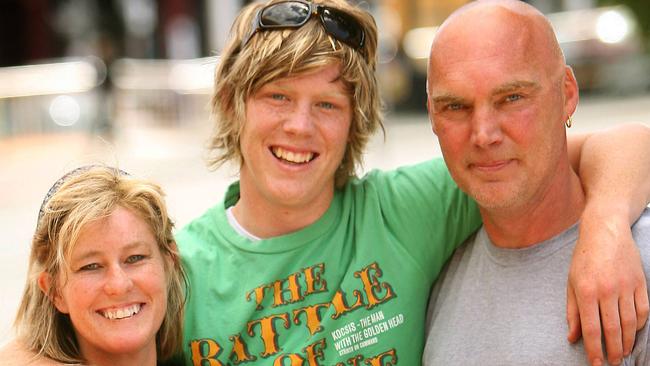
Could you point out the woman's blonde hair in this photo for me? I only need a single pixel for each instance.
(80, 197)
(271, 55)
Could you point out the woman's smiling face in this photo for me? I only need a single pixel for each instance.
(115, 289)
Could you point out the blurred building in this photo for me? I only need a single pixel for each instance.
(122, 58)
(603, 45)
(130, 51)
(32, 30)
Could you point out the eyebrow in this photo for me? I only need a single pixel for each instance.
(448, 98)
(93, 253)
(515, 85)
(285, 86)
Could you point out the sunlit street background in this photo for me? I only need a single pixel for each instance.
(128, 82)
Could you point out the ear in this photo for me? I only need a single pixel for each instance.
(430, 114)
(571, 92)
(45, 283)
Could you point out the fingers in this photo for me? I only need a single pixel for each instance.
(611, 326)
(609, 288)
(628, 317)
(617, 317)
(572, 315)
(590, 320)
(641, 305)
(633, 315)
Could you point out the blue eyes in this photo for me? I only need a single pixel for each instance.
(132, 259)
(513, 98)
(278, 97)
(457, 107)
(89, 267)
(135, 258)
(283, 98)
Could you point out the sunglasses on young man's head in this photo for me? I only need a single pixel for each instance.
(294, 14)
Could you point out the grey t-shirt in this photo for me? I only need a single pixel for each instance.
(495, 306)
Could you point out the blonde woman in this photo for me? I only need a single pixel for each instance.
(105, 285)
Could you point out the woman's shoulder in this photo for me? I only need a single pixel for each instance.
(14, 353)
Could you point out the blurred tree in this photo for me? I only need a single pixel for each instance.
(642, 11)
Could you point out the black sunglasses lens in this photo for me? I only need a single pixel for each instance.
(285, 14)
(343, 27)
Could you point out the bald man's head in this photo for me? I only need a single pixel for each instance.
(497, 28)
(499, 93)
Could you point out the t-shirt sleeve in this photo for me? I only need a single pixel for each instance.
(424, 208)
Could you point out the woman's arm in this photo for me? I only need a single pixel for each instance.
(606, 280)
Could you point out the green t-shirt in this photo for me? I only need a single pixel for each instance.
(350, 289)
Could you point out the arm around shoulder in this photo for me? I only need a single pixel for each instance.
(614, 166)
(607, 285)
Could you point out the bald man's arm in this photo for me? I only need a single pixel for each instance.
(606, 280)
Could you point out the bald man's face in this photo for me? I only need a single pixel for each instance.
(498, 101)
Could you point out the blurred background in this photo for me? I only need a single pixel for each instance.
(128, 82)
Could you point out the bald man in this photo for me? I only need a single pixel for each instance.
(499, 97)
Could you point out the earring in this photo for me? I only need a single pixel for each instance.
(569, 122)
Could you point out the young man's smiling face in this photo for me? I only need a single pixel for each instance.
(294, 139)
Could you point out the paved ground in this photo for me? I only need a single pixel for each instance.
(173, 156)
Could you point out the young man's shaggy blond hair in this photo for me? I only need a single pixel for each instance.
(271, 55)
(86, 195)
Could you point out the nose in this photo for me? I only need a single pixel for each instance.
(117, 281)
(486, 128)
(300, 120)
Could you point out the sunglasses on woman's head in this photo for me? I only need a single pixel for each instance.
(294, 14)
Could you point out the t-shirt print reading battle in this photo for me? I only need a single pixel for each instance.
(350, 289)
(296, 289)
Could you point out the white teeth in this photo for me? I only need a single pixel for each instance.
(122, 313)
(291, 156)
